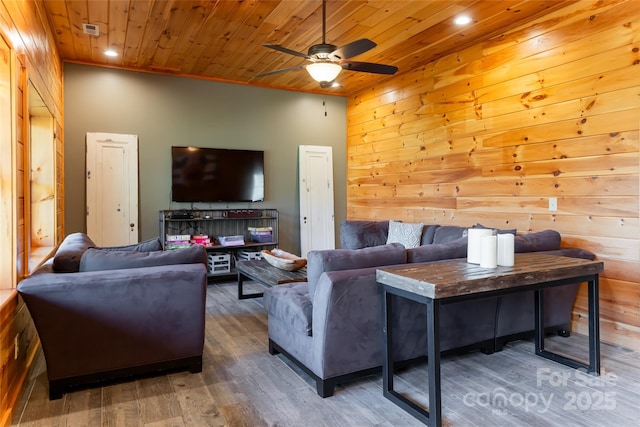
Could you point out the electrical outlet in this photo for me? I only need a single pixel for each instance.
(553, 204)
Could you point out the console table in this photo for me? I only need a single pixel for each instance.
(438, 283)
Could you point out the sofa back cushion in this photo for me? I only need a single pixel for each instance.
(547, 240)
(363, 234)
(447, 233)
(69, 253)
(438, 251)
(319, 262)
(147, 246)
(428, 233)
(99, 259)
(366, 234)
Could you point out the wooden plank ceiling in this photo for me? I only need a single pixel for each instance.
(222, 39)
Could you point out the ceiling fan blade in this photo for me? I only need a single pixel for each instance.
(369, 67)
(285, 50)
(282, 70)
(352, 49)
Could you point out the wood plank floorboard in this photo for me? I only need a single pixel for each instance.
(243, 385)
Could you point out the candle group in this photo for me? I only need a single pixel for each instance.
(489, 256)
(489, 249)
(474, 243)
(505, 249)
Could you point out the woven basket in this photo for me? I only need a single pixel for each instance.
(283, 260)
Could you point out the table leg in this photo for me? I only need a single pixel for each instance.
(241, 294)
(594, 326)
(594, 331)
(387, 356)
(433, 416)
(539, 321)
(433, 353)
(240, 282)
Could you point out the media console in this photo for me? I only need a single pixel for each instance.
(242, 226)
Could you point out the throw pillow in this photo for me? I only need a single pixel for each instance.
(405, 233)
(99, 259)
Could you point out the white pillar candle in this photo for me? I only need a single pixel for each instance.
(489, 256)
(474, 243)
(506, 243)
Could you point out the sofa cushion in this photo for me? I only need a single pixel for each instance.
(547, 240)
(428, 233)
(291, 304)
(572, 253)
(69, 253)
(99, 259)
(405, 233)
(146, 246)
(363, 234)
(319, 262)
(447, 233)
(499, 230)
(438, 251)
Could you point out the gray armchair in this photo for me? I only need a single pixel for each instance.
(111, 322)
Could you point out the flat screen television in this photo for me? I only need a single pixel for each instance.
(200, 174)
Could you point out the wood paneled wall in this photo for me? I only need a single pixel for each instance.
(24, 26)
(489, 134)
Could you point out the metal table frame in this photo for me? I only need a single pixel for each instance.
(433, 416)
(265, 274)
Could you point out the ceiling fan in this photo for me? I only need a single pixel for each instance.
(328, 60)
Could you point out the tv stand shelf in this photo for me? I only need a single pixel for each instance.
(221, 222)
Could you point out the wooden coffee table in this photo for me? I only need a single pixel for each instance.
(266, 274)
(438, 283)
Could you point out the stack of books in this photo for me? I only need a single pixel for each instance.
(177, 241)
(261, 234)
(231, 240)
(201, 239)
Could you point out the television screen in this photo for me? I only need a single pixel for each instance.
(200, 174)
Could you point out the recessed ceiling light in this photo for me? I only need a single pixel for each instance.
(462, 20)
(110, 52)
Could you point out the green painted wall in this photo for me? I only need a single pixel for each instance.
(167, 110)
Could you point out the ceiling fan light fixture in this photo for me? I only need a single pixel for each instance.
(462, 20)
(324, 71)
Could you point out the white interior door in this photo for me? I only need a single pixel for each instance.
(317, 229)
(112, 188)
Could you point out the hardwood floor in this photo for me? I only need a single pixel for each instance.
(242, 385)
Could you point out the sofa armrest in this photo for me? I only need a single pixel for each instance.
(100, 321)
(346, 322)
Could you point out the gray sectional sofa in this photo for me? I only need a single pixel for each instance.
(330, 326)
(105, 313)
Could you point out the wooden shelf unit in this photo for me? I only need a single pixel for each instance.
(221, 222)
